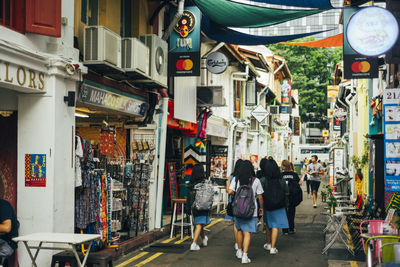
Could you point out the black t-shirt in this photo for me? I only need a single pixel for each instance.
(290, 176)
(7, 213)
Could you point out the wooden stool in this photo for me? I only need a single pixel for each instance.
(100, 259)
(175, 218)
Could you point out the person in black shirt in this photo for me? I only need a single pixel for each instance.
(8, 229)
(290, 176)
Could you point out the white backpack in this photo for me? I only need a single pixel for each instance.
(204, 196)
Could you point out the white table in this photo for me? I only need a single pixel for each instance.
(69, 239)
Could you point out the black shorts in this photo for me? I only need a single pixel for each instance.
(314, 185)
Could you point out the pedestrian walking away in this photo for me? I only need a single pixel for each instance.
(229, 215)
(275, 196)
(295, 194)
(201, 217)
(244, 207)
(315, 170)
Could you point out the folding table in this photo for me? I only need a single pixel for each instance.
(69, 239)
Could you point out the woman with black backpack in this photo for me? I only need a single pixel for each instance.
(246, 188)
(201, 217)
(275, 200)
(295, 194)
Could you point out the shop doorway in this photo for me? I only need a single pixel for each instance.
(8, 157)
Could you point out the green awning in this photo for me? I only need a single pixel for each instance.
(233, 14)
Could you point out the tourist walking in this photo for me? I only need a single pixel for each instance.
(295, 194)
(230, 198)
(246, 188)
(315, 170)
(275, 202)
(201, 217)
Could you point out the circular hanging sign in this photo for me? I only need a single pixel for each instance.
(216, 62)
(340, 114)
(186, 24)
(372, 31)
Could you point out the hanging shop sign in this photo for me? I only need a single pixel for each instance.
(217, 62)
(356, 66)
(260, 113)
(332, 93)
(35, 170)
(21, 78)
(340, 114)
(325, 133)
(338, 161)
(391, 114)
(296, 126)
(372, 31)
(286, 87)
(184, 44)
(98, 97)
(331, 112)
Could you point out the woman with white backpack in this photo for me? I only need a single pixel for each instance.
(246, 188)
(201, 216)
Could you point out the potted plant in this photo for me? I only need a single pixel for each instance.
(332, 203)
(323, 196)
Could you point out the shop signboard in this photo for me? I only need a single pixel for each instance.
(391, 114)
(218, 165)
(332, 93)
(340, 114)
(338, 161)
(356, 66)
(260, 113)
(173, 186)
(184, 44)
(35, 170)
(296, 126)
(91, 95)
(216, 62)
(22, 78)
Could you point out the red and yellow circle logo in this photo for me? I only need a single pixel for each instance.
(360, 66)
(184, 64)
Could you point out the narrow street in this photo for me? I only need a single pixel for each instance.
(301, 249)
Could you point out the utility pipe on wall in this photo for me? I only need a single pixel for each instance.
(178, 15)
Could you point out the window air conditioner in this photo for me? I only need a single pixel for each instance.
(101, 47)
(158, 58)
(135, 56)
(210, 96)
(274, 110)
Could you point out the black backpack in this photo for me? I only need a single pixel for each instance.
(274, 195)
(295, 193)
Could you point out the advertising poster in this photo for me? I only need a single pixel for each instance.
(218, 164)
(391, 109)
(35, 170)
(184, 44)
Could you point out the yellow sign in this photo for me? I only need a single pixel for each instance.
(325, 133)
(332, 92)
(331, 112)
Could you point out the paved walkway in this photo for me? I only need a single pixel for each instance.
(301, 249)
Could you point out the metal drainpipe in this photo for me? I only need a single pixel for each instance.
(178, 15)
(351, 140)
(161, 162)
(232, 119)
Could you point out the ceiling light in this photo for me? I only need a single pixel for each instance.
(81, 115)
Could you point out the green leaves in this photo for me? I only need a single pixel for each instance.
(312, 71)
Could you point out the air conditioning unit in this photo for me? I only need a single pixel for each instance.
(274, 110)
(210, 96)
(101, 47)
(135, 56)
(158, 58)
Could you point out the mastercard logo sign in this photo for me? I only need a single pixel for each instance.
(360, 66)
(184, 64)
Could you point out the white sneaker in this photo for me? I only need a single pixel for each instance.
(205, 240)
(267, 246)
(239, 253)
(194, 247)
(236, 246)
(273, 251)
(315, 206)
(245, 259)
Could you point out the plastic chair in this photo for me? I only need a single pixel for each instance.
(375, 228)
(386, 254)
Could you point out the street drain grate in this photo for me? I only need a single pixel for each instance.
(168, 248)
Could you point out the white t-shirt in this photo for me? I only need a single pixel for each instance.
(257, 189)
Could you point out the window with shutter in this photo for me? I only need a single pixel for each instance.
(12, 14)
(43, 17)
